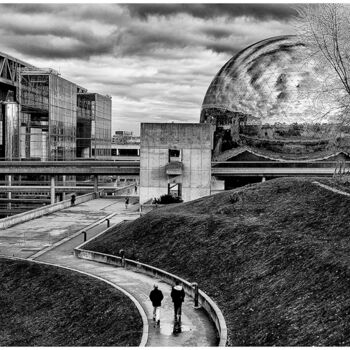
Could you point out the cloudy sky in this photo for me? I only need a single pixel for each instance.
(155, 60)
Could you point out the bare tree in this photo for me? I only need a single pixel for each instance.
(325, 29)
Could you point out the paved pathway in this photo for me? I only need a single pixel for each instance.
(23, 240)
(197, 330)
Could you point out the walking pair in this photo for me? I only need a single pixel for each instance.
(177, 296)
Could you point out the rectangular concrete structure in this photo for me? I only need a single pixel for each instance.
(175, 158)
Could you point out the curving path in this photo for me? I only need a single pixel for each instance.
(197, 330)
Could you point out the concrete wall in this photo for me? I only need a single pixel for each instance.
(195, 143)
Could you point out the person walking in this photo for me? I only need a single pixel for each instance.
(178, 297)
(126, 202)
(156, 297)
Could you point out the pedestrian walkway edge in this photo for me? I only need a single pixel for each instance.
(142, 312)
(332, 189)
(204, 300)
(47, 249)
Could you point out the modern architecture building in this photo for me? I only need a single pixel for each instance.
(46, 117)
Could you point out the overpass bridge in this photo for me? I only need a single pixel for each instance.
(132, 167)
(275, 169)
(86, 167)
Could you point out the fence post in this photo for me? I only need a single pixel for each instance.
(195, 287)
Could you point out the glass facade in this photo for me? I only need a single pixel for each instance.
(94, 126)
(48, 116)
(54, 119)
(63, 119)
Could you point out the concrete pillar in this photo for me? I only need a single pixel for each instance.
(95, 183)
(138, 152)
(263, 179)
(64, 179)
(12, 149)
(52, 188)
(9, 193)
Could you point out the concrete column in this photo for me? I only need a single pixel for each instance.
(138, 152)
(263, 179)
(52, 188)
(9, 193)
(64, 179)
(95, 183)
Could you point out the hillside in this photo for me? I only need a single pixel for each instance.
(276, 261)
(48, 306)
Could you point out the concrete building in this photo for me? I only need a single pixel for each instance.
(175, 159)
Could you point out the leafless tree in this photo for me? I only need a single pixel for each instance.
(325, 29)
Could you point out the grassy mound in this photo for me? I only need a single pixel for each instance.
(276, 261)
(47, 306)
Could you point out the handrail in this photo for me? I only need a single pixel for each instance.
(206, 302)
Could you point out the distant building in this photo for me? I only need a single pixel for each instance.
(125, 145)
(125, 137)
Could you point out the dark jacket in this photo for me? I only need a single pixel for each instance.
(156, 297)
(177, 294)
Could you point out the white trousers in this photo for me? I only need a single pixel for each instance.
(156, 313)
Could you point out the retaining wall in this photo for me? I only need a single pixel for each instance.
(204, 300)
(47, 209)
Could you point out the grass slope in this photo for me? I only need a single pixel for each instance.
(276, 262)
(47, 306)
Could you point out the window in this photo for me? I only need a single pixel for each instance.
(174, 155)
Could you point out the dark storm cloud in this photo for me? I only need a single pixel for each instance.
(107, 13)
(78, 50)
(217, 32)
(258, 11)
(32, 8)
(133, 30)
